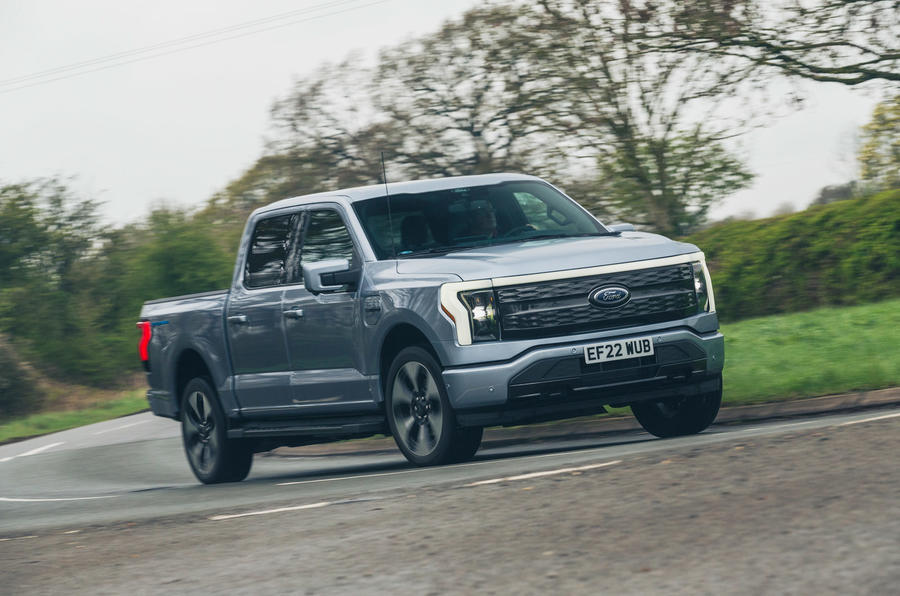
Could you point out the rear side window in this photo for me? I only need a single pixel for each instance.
(326, 238)
(269, 248)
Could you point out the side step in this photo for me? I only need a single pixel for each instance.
(326, 428)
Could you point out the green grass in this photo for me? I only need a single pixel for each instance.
(50, 422)
(829, 350)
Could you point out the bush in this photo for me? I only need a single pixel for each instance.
(839, 254)
(18, 393)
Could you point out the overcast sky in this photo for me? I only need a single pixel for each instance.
(178, 127)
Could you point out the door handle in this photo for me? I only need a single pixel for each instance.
(294, 313)
(237, 319)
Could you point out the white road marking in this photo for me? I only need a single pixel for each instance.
(120, 427)
(544, 473)
(268, 511)
(870, 419)
(39, 500)
(33, 451)
(40, 449)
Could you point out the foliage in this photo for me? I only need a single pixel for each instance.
(667, 184)
(18, 392)
(20, 234)
(839, 254)
(879, 154)
(177, 256)
(72, 291)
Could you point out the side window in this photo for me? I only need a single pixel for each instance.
(269, 246)
(326, 238)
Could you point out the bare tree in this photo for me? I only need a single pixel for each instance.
(839, 41)
(471, 98)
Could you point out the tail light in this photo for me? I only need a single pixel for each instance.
(146, 334)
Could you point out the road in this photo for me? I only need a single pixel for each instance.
(806, 505)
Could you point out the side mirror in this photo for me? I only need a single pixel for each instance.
(621, 227)
(328, 276)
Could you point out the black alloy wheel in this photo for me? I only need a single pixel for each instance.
(419, 412)
(213, 457)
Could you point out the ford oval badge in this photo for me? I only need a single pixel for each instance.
(609, 296)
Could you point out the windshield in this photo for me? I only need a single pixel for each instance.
(445, 220)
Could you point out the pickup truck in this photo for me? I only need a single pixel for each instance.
(430, 310)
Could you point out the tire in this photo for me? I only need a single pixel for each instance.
(419, 413)
(213, 457)
(677, 417)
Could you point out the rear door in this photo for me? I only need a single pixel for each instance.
(254, 320)
(323, 330)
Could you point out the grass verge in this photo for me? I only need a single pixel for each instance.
(50, 422)
(819, 352)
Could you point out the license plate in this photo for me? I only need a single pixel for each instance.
(619, 349)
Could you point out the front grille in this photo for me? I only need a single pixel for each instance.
(561, 307)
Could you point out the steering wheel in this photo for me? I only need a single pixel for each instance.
(522, 228)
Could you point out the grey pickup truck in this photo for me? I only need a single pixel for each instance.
(430, 310)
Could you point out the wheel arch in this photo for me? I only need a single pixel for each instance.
(190, 364)
(400, 336)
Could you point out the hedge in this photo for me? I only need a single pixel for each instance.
(838, 254)
(18, 392)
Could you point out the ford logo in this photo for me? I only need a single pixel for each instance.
(609, 296)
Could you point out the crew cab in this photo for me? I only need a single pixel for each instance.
(429, 310)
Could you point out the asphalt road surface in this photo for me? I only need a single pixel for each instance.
(806, 506)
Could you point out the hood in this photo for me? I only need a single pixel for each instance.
(541, 256)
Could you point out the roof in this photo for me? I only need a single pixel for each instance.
(361, 193)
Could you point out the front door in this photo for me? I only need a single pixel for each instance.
(324, 330)
(254, 321)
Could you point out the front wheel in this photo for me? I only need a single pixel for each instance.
(419, 412)
(213, 457)
(675, 417)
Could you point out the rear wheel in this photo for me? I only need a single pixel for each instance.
(419, 412)
(679, 416)
(213, 457)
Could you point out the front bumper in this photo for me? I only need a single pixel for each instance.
(554, 382)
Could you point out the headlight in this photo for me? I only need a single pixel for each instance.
(484, 320)
(700, 287)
